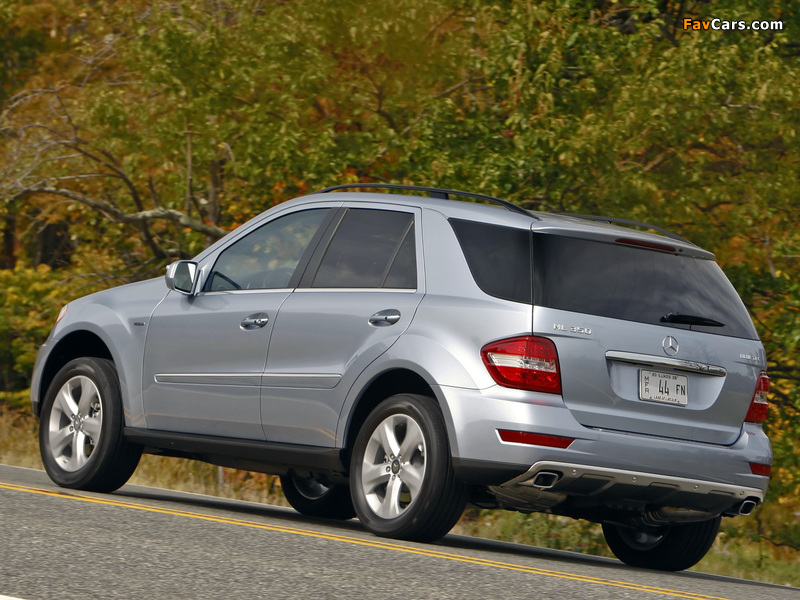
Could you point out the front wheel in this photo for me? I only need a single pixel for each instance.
(673, 548)
(401, 475)
(80, 428)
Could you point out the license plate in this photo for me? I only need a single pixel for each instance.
(663, 387)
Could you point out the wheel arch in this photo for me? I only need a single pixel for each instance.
(77, 344)
(401, 370)
(398, 380)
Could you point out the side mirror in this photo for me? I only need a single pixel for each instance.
(182, 276)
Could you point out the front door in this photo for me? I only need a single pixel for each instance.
(203, 362)
(205, 354)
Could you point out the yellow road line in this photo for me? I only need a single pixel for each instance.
(374, 543)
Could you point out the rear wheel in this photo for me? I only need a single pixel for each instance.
(309, 496)
(672, 548)
(401, 475)
(80, 428)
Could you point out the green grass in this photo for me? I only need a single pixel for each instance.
(731, 555)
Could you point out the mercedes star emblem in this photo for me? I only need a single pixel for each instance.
(670, 345)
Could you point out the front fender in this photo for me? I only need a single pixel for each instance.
(118, 318)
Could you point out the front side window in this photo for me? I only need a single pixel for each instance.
(267, 257)
(370, 249)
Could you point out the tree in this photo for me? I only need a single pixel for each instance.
(182, 117)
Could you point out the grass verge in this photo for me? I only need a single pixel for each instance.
(731, 555)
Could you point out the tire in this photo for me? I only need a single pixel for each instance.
(672, 548)
(80, 428)
(401, 476)
(310, 497)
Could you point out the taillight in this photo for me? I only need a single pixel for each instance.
(650, 245)
(759, 406)
(524, 363)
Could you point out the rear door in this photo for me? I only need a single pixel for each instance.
(359, 293)
(649, 341)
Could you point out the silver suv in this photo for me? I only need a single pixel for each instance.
(396, 356)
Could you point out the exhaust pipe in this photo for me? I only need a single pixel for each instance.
(544, 480)
(747, 507)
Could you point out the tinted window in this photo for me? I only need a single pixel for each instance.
(403, 272)
(498, 257)
(370, 249)
(621, 282)
(267, 257)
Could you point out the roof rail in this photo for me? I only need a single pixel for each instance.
(432, 192)
(629, 222)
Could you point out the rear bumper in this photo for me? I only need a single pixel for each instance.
(600, 468)
(587, 486)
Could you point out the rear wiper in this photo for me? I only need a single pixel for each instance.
(690, 320)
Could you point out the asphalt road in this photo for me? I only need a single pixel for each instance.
(150, 543)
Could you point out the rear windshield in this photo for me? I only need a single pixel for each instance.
(635, 284)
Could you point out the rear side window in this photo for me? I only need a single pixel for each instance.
(370, 249)
(635, 284)
(499, 258)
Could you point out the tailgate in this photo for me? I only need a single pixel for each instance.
(618, 376)
(652, 338)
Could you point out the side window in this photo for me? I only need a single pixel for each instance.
(267, 257)
(370, 249)
(499, 258)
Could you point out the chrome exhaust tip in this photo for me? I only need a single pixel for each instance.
(747, 507)
(544, 480)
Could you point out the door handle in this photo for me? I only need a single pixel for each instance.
(385, 318)
(255, 321)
